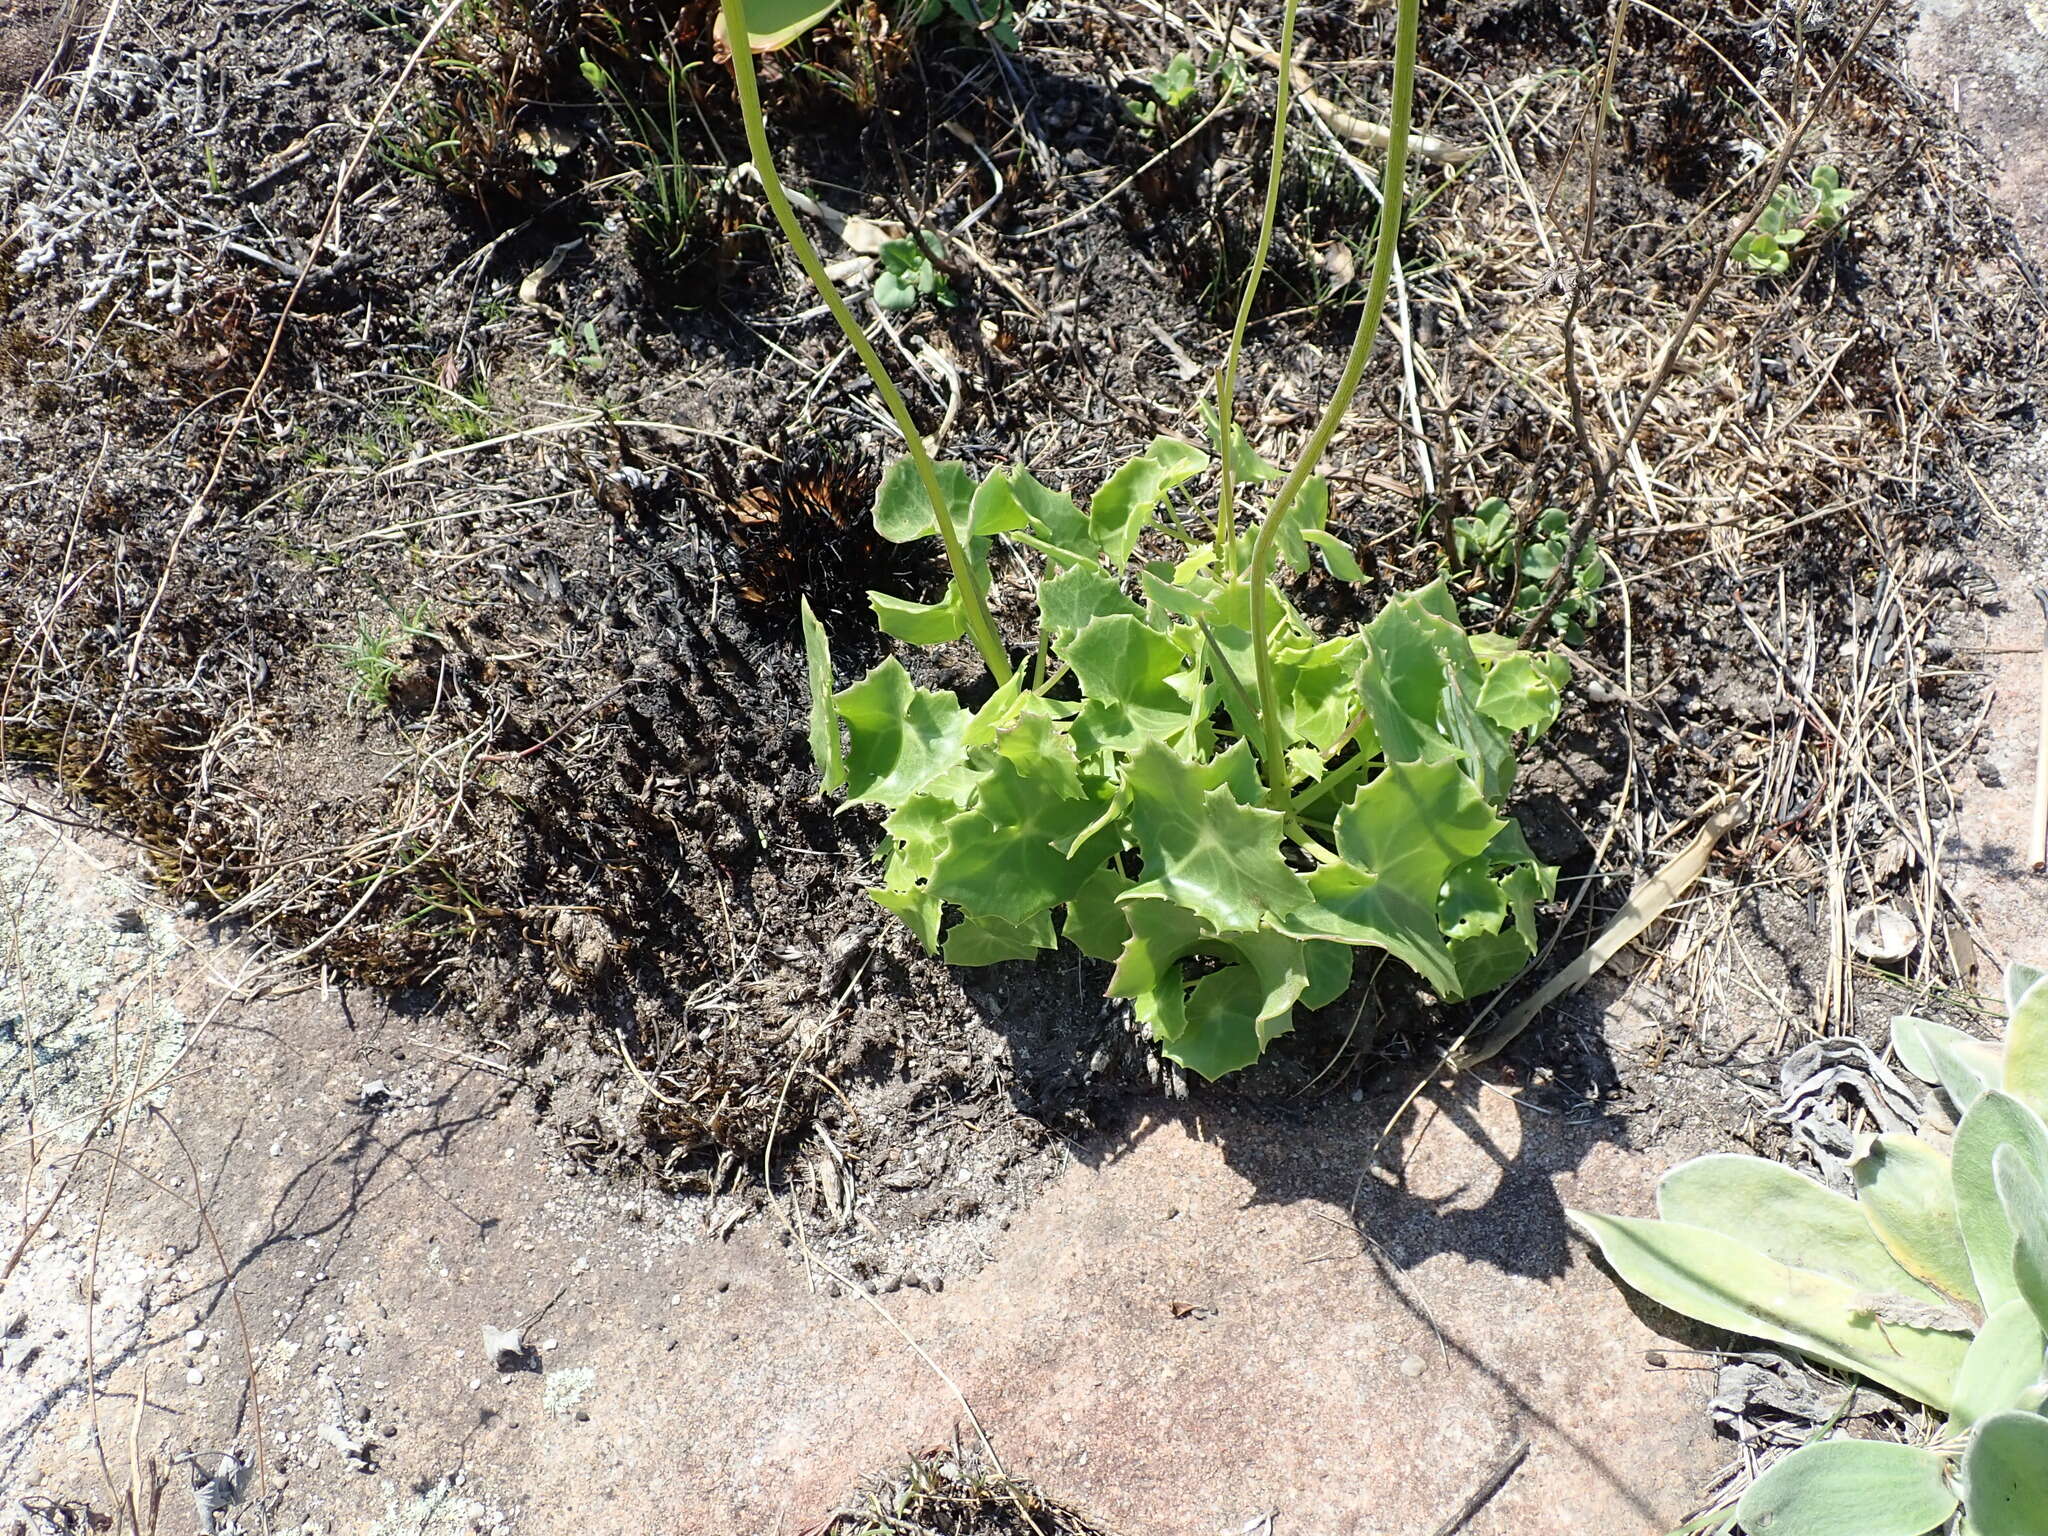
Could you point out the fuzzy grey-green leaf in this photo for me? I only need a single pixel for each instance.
(2005, 1476)
(1849, 1488)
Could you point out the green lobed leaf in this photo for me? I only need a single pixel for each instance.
(1162, 934)
(1724, 1284)
(920, 623)
(2005, 1475)
(1310, 513)
(1525, 691)
(1472, 902)
(1418, 669)
(1995, 1120)
(1126, 669)
(2003, 1368)
(1400, 838)
(1484, 961)
(1787, 1217)
(2026, 1049)
(1094, 922)
(2026, 1211)
(1245, 461)
(918, 825)
(1203, 849)
(1318, 687)
(1062, 530)
(900, 737)
(903, 511)
(1904, 1191)
(995, 508)
(1337, 555)
(1003, 858)
(918, 910)
(826, 750)
(1849, 1488)
(1124, 506)
(1071, 597)
(1329, 972)
(988, 940)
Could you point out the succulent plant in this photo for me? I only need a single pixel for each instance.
(1931, 1281)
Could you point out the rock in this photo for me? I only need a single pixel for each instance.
(504, 1347)
(1882, 933)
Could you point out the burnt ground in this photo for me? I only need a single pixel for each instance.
(571, 486)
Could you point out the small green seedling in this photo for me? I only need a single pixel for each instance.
(1932, 1281)
(909, 274)
(377, 655)
(1785, 221)
(579, 348)
(995, 20)
(1519, 566)
(1172, 88)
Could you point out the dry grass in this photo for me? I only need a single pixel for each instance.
(951, 1493)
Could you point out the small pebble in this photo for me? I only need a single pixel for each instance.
(196, 1339)
(1412, 1366)
(195, 1377)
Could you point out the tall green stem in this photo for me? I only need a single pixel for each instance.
(1226, 386)
(979, 625)
(1385, 251)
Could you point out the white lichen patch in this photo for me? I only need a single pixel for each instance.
(84, 1020)
(440, 1511)
(567, 1390)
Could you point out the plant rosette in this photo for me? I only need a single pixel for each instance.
(1118, 795)
(1932, 1281)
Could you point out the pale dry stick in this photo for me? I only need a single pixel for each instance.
(92, 69)
(1081, 215)
(1345, 124)
(234, 1293)
(135, 1490)
(1600, 462)
(99, 1227)
(846, 1283)
(330, 223)
(1644, 906)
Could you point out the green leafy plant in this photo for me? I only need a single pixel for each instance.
(1520, 564)
(578, 348)
(1932, 1282)
(909, 274)
(376, 656)
(1788, 219)
(1172, 88)
(1187, 779)
(995, 20)
(665, 203)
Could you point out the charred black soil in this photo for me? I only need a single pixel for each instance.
(421, 595)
